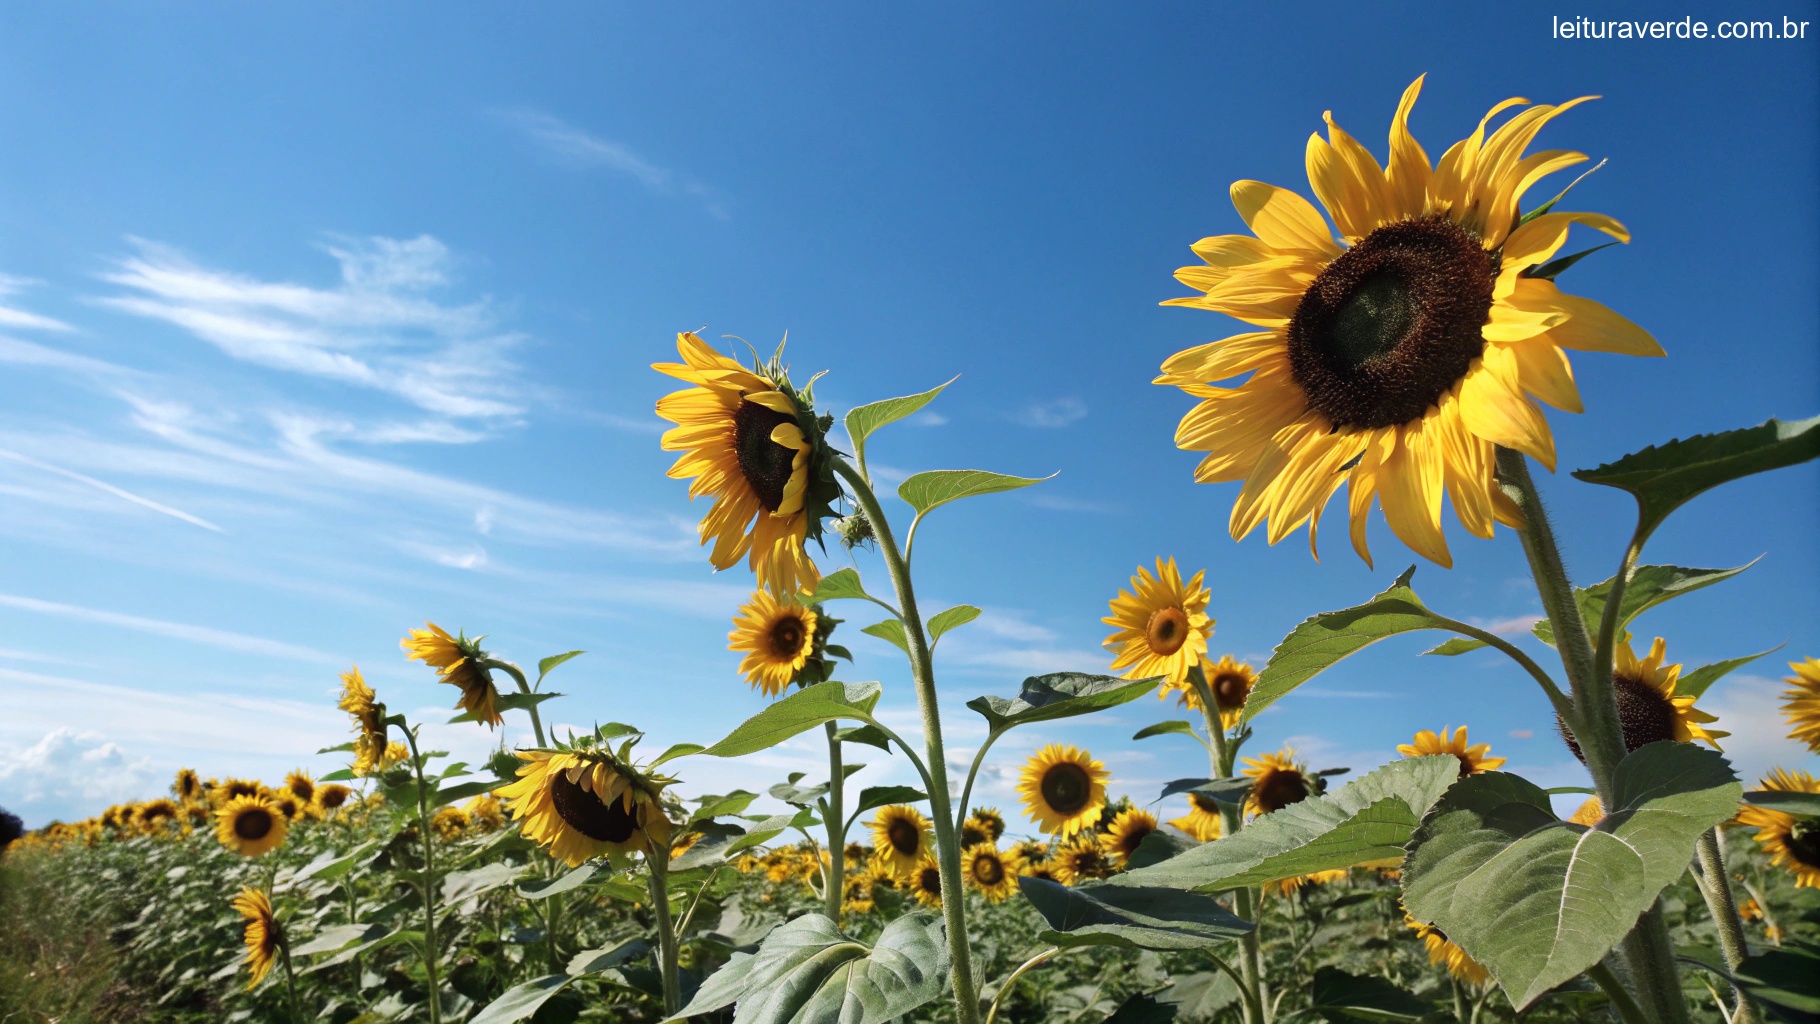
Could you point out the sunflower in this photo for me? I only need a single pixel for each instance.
(1791, 842)
(360, 702)
(1231, 682)
(264, 939)
(233, 789)
(300, 785)
(880, 873)
(752, 441)
(1441, 951)
(1160, 625)
(856, 893)
(1277, 782)
(586, 804)
(1079, 860)
(187, 785)
(974, 832)
(250, 825)
(1030, 853)
(991, 820)
(1472, 759)
(778, 636)
(485, 812)
(1397, 358)
(459, 662)
(926, 883)
(900, 838)
(1121, 838)
(449, 822)
(396, 753)
(1589, 813)
(154, 815)
(1647, 706)
(331, 796)
(855, 855)
(1801, 702)
(1064, 789)
(1203, 820)
(287, 805)
(993, 873)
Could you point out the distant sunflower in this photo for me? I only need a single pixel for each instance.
(301, 786)
(855, 855)
(1399, 356)
(585, 804)
(459, 662)
(856, 893)
(900, 838)
(881, 875)
(778, 636)
(1647, 706)
(360, 702)
(485, 812)
(396, 753)
(1792, 843)
(991, 820)
(926, 883)
(1079, 860)
(1160, 626)
(331, 796)
(1128, 830)
(753, 442)
(1441, 951)
(1063, 788)
(1030, 852)
(287, 805)
(1472, 759)
(264, 938)
(250, 826)
(993, 873)
(1292, 885)
(1231, 682)
(1277, 782)
(155, 815)
(187, 786)
(1801, 703)
(1203, 820)
(1589, 813)
(449, 822)
(974, 831)
(228, 791)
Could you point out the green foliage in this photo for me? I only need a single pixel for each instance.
(865, 419)
(1650, 585)
(1135, 917)
(1342, 997)
(947, 619)
(1788, 977)
(1170, 728)
(802, 710)
(937, 487)
(1060, 695)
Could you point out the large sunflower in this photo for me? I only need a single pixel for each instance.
(1079, 860)
(1121, 838)
(1277, 782)
(264, 939)
(752, 441)
(993, 873)
(900, 839)
(360, 702)
(1442, 951)
(1647, 706)
(1160, 625)
(1473, 759)
(1064, 789)
(1801, 702)
(1397, 357)
(778, 637)
(1792, 843)
(250, 825)
(1203, 820)
(459, 662)
(586, 804)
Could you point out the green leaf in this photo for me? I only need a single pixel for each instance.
(521, 1000)
(1176, 726)
(715, 806)
(1323, 640)
(331, 865)
(1458, 645)
(1663, 477)
(874, 797)
(871, 735)
(1060, 695)
(331, 939)
(861, 422)
(570, 879)
(510, 702)
(1696, 683)
(449, 794)
(799, 796)
(1142, 1008)
(338, 775)
(1368, 819)
(938, 487)
(1788, 976)
(1132, 917)
(802, 710)
(891, 631)
(338, 748)
(675, 751)
(461, 885)
(713, 848)
(1537, 900)
(544, 665)
(1166, 842)
(1201, 995)
(807, 972)
(1342, 997)
(943, 621)
(1650, 585)
(593, 961)
(842, 583)
(1553, 268)
(1804, 805)
(1229, 790)
(767, 830)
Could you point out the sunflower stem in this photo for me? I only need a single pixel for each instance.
(966, 991)
(290, 982)
(1221, 756)
(1034, 962)
(1715, 886)
(1563, 706)
(979, 757)
(524, 687)
(834, 818)
(428, 889)
(1621, 1000)
(658, 877)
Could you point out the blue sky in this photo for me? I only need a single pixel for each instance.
(321, 321)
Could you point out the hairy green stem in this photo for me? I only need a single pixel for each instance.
(1036, 961)
(552, 906)
(1562, 703)
(979, 757)
(658, 864)
(1621, 1000)
(1716, 887)
(834, 818)
(524, 687)
(431, 948)
(1244, 904)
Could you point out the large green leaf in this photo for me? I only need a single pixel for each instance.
(1649, 586)
(1537, 900)
(1787, 977)
(1368, 819)
(1059, 695)
(842, 583)
(807, 972)
(861, 422)
(593, 961)
(1319, 642)
(1134, 917)
(802, 710)
(1806, 805)
(938, 487)
(874, 797)
(1663, 477)
(1698, 681)
(522, 1000)
(1342, 997)
(947, 619)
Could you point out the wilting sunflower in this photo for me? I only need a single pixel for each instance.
(360, 702)
(187, 786)
(1398, 357)
(331, 796)
(1472, 759)
(586, 804)
(900, 838)
(1121, 839)
(1792, 843)
(1589, 813)
(1277, 782)
(993, 873)
(926, 883)
(1203, 820)
(753, 442)
(1801, 702)
(1441, 951)
(459, 662)
(1079, 860)
(250, 826)
(1064, 789)
(1647, 706)
(264, 939)
(778, 636)
(1160, 625)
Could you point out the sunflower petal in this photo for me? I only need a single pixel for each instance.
(1281, 218)
(1495, 408)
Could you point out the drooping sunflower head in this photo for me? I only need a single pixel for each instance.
(1648, 707)
(362, 705)
(1473, 759)
(331, 796)
(264, 938)
(992, 873)
(926, 883)
(583, 803)
(778, 637)
(1078, 860)
(1128, 830)
(753, 441)
(1441, 951)
(1063, 788)
(1801, 703)
(1395, 351)
(251, 825)
(1793, 843)
(1277, 782)
(1160, 626)
(900, 838)
(300, 785)
(459, 662)
(187, 785)
(1203, 820)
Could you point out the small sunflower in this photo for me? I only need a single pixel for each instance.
(459, 662)
(1231, 682)
(331, 796)
(300, 785)
(360, 702)
(1793, 843)
(1277, 782)
(1030, 853)
(856, 893)
(991, 820)
(251, 826)
(586, 804)
(486, 813)
(1441, 951)
(1472, 759)
(1064, 789)
(880, 873)
(228, 791)
(1121, 839)
(754, 443)
(287, 805)
(974, 831)
(1079, 860)
(900, 838)
(1801, 702)
(1647, 706)
(855, 855)
(993, 873)
(187, 786)
(1203, 820)
(264, 938)
(1399, 356)
(1160, 625)
(778, 637)
(155, 815)
(926, 883)
(1589, 813)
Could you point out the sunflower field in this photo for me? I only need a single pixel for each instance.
(1403, 344)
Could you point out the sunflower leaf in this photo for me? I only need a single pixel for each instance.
(800, 711)
(544, 665)
(891, 631)
(1458, 645)
(1650, 585)
(1338, 995)
(1696, 683)
(943, 621)
(1785, 976)
(1228, 790)
(1664, 477)
(540, 888)
(1537, 900)
(937, 487)
(870, 735)
(450, 794)
(676, 750)
(1177, 726)
(873, 797)
(1805, 805)
(522, 1000)
(1132, 917)
(764, 831)
(1059, 695)
(843, 583)
(1553, 268)
(593, 961)
(715, 806)
(862, 421)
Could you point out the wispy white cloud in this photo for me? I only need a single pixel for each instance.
(1056, 412)
(205, 635)
(104, 486)
(30, 353)
(1045, 499)
(13, 316)
(578, 146)
(1516, 625)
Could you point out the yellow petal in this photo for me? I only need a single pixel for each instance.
(1590, 327)
(1543, 371)
(1409, 489)
(1218, 360)
(1409, 172)
(1282, 218)
(1495, 408)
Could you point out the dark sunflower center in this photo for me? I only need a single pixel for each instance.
(1278, 789)
(971, 835)
(763, 462)
(1167, 630)
(1128, 843)
(988, 870)
(302, 790)
(1466, 765)
(253, 825)
(1803, 842)
(1204, 804)
(787, 637)
(1229, 690)
(1645, 714)
(585, 813)
(333, 798)
(930, 880)
(1393, 323)
(1066, 788)
(904, 836)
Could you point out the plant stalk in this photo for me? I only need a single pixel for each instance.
(1244, 904)
(1036, 961)
(836, 821)
(658, 874)
(1716, 886)
(431, 948)
(1621, 1000)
